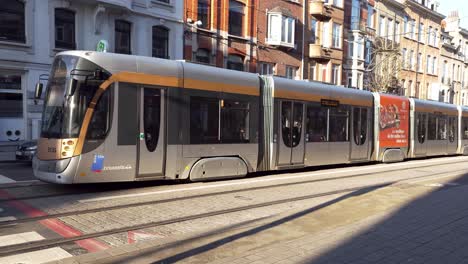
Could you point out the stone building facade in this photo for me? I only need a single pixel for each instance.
(32, 32)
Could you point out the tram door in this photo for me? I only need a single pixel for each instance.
(151, 143)
(360, 134)
(291, 139)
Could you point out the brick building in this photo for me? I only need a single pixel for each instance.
(326, 41)
(221, 33)
(282, 38)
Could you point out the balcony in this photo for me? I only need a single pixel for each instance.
(320, 9)
(317, 51)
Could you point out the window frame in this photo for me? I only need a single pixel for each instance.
(160, 38)
(66, 12)
(20, 37)
(119, 30)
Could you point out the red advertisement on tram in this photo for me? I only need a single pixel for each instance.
(394, 121)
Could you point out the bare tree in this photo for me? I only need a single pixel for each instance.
(385, 66)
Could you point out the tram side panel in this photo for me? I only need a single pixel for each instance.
(463, 131)
(393, 127)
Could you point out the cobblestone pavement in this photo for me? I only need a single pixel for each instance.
(413, 221)
(420, 220)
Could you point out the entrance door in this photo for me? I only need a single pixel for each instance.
(151, 143)
(360, 137)
(291, 143)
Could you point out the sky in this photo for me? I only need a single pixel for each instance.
(450, 5)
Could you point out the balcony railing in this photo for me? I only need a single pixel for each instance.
(317, 51)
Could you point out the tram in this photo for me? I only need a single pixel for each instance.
(112, 117)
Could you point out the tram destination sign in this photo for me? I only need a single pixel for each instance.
(330, 103)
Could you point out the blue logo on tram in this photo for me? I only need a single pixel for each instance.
(98, 163)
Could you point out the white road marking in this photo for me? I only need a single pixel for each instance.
(279, 178)
(4, 179)
(35, 257)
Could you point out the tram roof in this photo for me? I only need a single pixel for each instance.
(434, 106)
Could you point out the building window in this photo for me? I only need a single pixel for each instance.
(411, 60)
(164, 1)
(397, 32)
(235, 62)
(405, 26)
(325, 34)
(204, 13)
(236, 17)
(420, 66)
(413, 29)
(291, 72)
(335, 78)
(368, 51)
(338, 3)
(160, 42)
(202, 56)
(336, 35)
(403, 58)
(382, 26)
(313, 71)
(323, 72)
(421, 33)
(122, 37)
(370, 16)
(429, 35)
(12, 25)
(64, 29)
(436, 37)
(351, 48)
(11, 96)
(390, 33)
(428, 66)
(280, 30)
(313, 35)
(265, 68)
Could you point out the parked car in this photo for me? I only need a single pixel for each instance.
(26, 151)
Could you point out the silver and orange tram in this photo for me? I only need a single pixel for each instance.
(110, 117)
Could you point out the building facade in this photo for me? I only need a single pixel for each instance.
(359, 36)
(221, 33)
(453, 85)
(282, 38)
(420, 48)
(326, 45)
(32, 32)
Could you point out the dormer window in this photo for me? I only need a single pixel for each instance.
(280, 29)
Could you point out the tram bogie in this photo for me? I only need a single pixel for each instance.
(146, 118)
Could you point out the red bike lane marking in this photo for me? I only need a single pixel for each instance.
(59, 227)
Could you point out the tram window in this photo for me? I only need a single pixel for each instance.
(465, 127)
(421, 126)
(100, 122)
(363, 125)
(152, 117)
(286, 109)
(204, 120)
(298, 114)
(441, 128)
(451, 129)
(317, 123)
(339, 123)
(432, 127)
(127, 115)
(235, 121)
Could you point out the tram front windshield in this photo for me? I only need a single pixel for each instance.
(71, 87)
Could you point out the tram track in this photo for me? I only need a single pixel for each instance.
(48, 243)
(210, 194)
(45, 196)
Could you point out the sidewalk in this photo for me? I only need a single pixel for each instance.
(424, 222)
